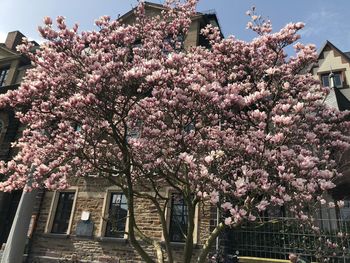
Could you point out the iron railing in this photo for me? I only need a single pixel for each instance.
(278, 237)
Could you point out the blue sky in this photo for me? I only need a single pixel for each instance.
(325, 19)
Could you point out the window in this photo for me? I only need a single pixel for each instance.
(135, 131)
(61, 212)
(337, 80)
(77, 127)
(326, 82)
(173, 44)
(3, 76)
(178, 219)
(21, 72)
(114, 219)
(190, 127)
(117, 216)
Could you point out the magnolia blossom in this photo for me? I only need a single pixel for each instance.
(237, 126)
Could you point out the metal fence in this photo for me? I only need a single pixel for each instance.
(278, 237)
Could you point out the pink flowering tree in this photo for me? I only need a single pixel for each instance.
(239, 126)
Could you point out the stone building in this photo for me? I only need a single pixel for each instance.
(87, 222)
(12, 69)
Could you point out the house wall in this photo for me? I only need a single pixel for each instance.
(91, 194)
(331, 60)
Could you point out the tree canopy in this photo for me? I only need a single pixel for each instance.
(239, 125)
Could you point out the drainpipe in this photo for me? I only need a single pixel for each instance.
(217, 223)
(41, 194)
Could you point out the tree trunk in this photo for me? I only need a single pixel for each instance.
(210, 242)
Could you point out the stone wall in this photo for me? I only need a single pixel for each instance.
(47, 247)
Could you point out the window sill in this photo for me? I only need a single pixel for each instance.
(113, 240)
(59, 236)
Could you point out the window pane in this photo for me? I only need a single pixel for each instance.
(135, 131)
(178, 219)
(117, 214)
(325, 80)
(63, 213)
(337, 80)
(3, 76)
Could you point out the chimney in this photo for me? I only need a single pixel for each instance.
(13, 39)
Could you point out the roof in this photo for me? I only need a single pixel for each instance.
(346, 55)
(342, 100)
(147, 4)
(5, 48)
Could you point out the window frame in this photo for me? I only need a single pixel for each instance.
(53, 210)
(168, 213)
(326, 78)
(336, 73)
(105, 209)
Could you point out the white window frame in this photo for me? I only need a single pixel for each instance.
(53, 208)
(105, 210)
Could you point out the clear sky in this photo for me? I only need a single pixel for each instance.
(325, 19)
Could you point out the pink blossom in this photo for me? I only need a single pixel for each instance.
(228, 221)
(262, 205)
(331, 204)
(226, 206)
